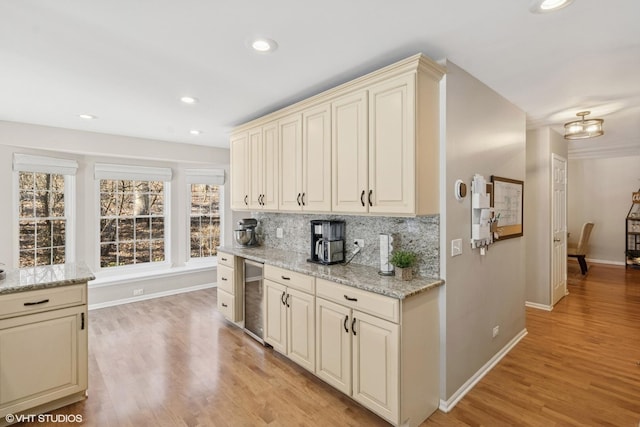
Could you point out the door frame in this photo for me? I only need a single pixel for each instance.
(563, 262)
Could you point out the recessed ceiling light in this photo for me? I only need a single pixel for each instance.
(263, 45)
(87, 116)
(195, 132)
(545, 6)
(189, 99)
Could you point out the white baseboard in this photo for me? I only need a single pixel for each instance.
(605, 261)
(544, 307)
(448, 405)
(151, 296)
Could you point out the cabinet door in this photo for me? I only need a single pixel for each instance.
(333, 344)
(349, 153)
(301, 317)
(43, 358)
(271, 170)
(376, 358)
(275, 316)
(256, 169)
(239, 171)
(392, 146)
(316, 169)
(290, 154)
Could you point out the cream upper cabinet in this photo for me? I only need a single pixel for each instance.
(240, 180)
(263, 167)
(305, 161)
(392, 146)
(349, 151)
(368, 146)
(290, 134)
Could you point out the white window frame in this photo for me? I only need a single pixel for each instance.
(136, 173)
(51, 165)
(210, 177)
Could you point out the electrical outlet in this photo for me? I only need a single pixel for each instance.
(496, 331)
(359, 242)
(279, 233)
(138, 292)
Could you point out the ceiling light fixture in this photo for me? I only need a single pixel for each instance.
(87, 116)
(263, 45)
(189, 100)
(583, 129)
(545, 6)
(195, 132)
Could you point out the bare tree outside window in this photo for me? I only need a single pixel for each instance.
(205, 220)
(42, 221)
(131, 222)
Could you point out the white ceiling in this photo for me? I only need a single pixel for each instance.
(129, 62)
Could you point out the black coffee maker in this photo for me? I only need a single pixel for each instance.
(327, 241)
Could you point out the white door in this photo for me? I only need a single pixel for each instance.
(301, 318)
(559, 228)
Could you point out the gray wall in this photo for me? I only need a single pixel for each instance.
(541, 144)
(88, 148)
(483, 133)
(420, 235)
(600, 191)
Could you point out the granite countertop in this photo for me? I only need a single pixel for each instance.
(47, 276)
(356, 275)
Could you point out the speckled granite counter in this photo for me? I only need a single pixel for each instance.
(356, 275)
(49, 276)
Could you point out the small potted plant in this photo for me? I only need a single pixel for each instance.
(403, 261)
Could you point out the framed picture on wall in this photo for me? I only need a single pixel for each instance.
(507, 200)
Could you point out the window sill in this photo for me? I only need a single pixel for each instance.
(115, 279)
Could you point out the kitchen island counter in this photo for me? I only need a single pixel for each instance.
(43, 277)
(356, 275)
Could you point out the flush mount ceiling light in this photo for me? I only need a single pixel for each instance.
(545, 6)
(87, 116)
(263, 45)
(195, 132)
(583, 128)
(189, 100)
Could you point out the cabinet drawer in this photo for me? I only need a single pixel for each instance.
(225, 259)
(368, 302)
(226, 279)
(41, 300)
(226, 305)
(290, 278)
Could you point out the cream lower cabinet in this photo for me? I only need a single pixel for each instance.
(43, 350)
(289, 315)
(381, 351)
(229, 283)
(358, 354)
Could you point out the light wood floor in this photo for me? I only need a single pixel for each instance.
(175, 362)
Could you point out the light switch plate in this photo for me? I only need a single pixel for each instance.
(279, 233)
(456, 247)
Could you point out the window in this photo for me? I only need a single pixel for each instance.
(45, 207)
(131, 222)
(204, 211)
(133, 214)
(205, 220)
(42, 219)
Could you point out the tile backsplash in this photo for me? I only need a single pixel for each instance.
(420, 235)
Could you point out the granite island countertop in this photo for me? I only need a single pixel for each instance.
(43, 277)
(356, 275)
